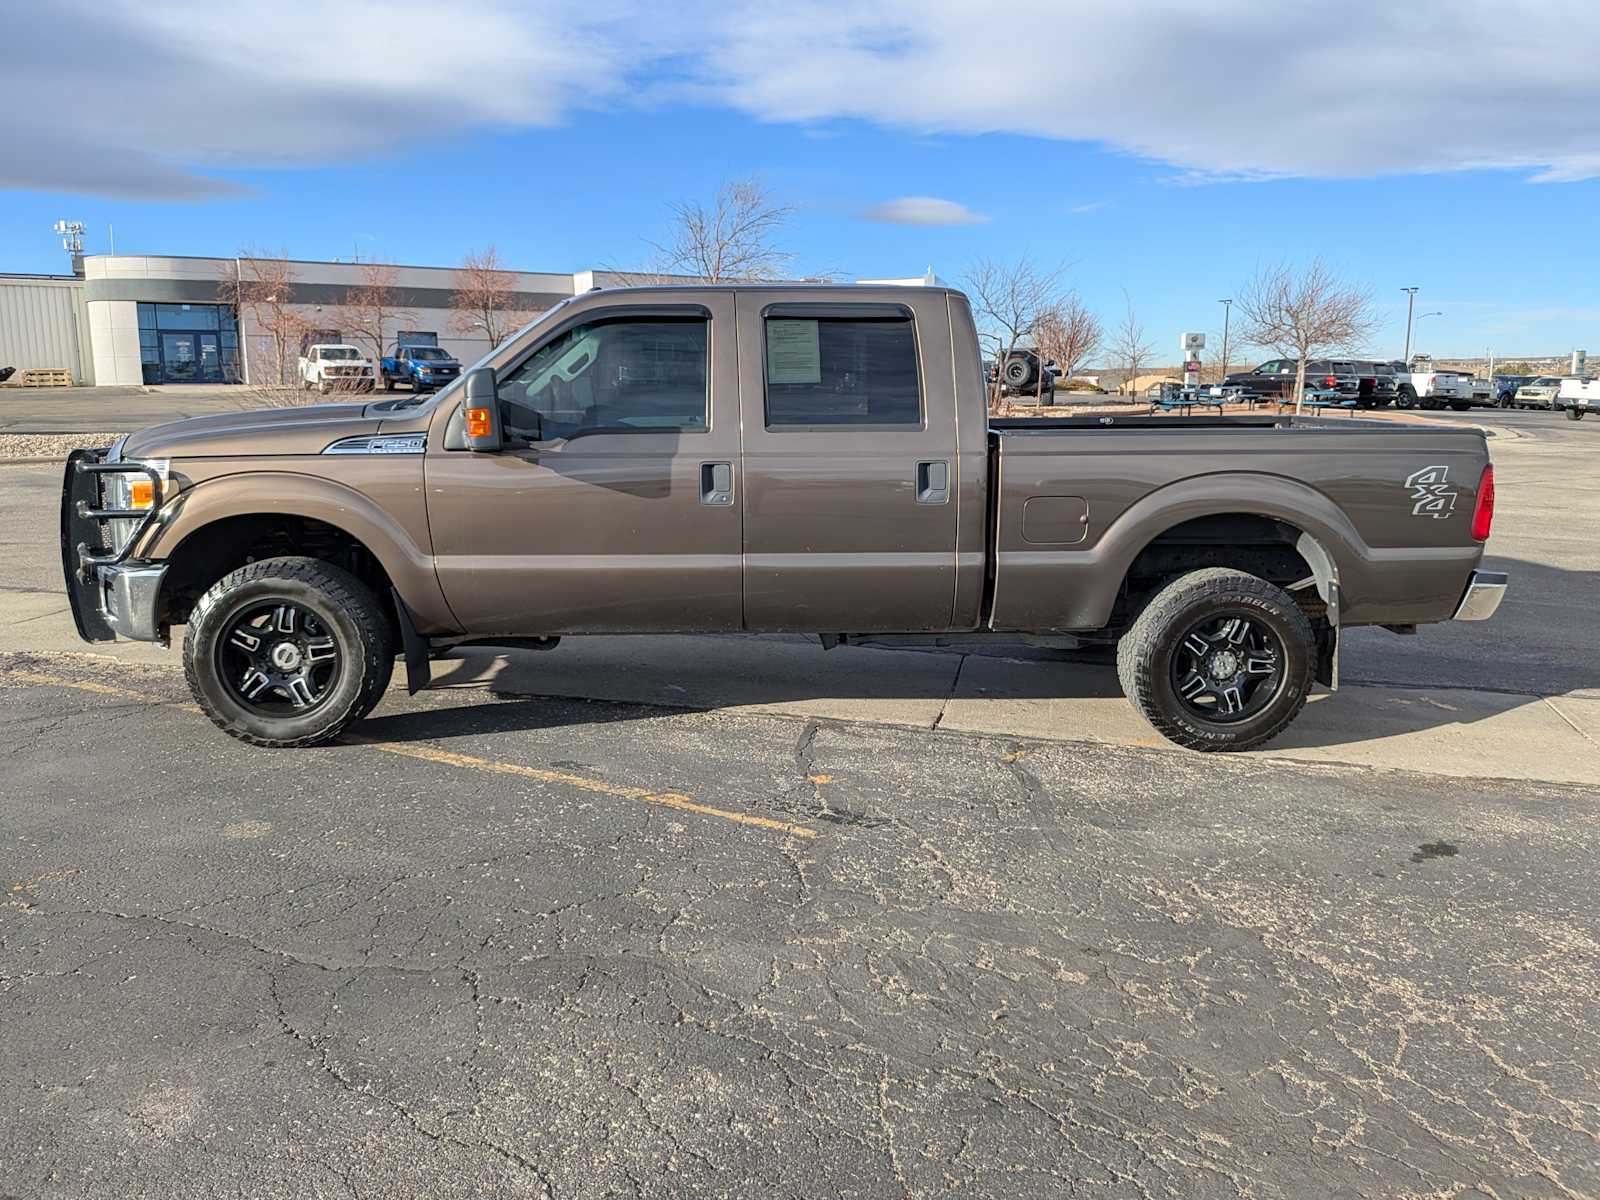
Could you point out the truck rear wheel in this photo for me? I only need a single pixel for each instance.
(1405, 397)
(1574, 414)
(1218, 660)
(288, 652)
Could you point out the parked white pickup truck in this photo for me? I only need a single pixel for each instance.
(1578, 396)
(335, 367)
(1420, 386)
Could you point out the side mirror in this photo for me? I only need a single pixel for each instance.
(482, 410)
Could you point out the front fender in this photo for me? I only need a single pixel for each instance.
(382, 511)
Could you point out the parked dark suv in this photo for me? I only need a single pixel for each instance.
(1274, 380)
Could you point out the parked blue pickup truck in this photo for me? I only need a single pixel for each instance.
(423, 367)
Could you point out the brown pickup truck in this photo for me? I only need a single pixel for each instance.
(764, 458)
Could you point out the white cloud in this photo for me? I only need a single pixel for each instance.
(150, 99)
(1282, 89)
(1084, 209)
(143, 99)
(923, 210)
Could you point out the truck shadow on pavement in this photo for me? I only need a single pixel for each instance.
(1049, 695)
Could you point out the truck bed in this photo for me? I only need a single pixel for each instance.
(1078, 499)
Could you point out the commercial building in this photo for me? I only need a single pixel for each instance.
(130, 320)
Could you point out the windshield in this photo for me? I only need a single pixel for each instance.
(342, 353)
(427, 354)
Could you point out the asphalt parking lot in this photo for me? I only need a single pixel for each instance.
(577, 925)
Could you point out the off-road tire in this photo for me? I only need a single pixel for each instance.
(1018, 373)
(1406, 397)
(346, 607)
(1145, 655)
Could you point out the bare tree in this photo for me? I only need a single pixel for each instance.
(733, 238)
(262, 285)
(1008, 301)
(373, 306)
(485, 298)
(1304, 314)
(1129, 345)
(1069, 333)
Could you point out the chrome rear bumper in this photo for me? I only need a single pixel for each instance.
(1484, 592)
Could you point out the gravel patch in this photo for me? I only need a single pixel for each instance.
(49, 445)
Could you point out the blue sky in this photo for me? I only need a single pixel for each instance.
(569, 166)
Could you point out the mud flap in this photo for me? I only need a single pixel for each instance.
(418, 673)
(1328, 656)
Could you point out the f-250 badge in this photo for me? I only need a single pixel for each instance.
(1431, 492)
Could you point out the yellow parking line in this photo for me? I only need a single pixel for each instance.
(100, 689)
(450, 758)
(676, 800)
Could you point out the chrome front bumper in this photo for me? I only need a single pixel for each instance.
(1484, 592)
(129, 595)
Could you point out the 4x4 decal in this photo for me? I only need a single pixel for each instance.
(1431, 492)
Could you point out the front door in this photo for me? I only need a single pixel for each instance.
(850, 480)
(613, 507)
(179, 357)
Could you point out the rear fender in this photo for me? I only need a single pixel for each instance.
(1078, 589)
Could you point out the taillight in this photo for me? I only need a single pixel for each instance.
(1331, 381)
(1483, 514)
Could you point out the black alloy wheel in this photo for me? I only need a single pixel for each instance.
(1228, 668)
(277, 658)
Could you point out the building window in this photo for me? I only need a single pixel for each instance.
(186, 316)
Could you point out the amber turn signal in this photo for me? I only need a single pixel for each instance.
(477, 422)
(141, 493)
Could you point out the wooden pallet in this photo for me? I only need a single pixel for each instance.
(41, 377)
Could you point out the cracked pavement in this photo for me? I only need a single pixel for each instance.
(997, 968)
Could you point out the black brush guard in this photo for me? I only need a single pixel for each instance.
(83, 550)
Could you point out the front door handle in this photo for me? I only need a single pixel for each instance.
(933, 482)
(716, 483)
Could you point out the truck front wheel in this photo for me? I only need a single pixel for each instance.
(1218, 660)
(1574, 414)
(287, 652)
(1405, 397)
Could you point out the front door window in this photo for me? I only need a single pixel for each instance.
(210, 366)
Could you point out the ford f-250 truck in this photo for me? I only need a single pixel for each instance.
(783, 458)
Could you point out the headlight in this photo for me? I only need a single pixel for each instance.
(127, 490)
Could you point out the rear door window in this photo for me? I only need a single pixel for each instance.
(846, 370)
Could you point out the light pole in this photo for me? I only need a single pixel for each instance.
(1227, 311)
(1411, 300)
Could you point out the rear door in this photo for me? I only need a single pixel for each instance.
(850, 467)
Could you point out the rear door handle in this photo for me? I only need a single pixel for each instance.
(933, 482)
(716, 483)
